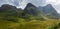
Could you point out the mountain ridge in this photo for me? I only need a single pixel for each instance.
(48, 10)
(31, 9)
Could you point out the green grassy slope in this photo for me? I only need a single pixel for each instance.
(19, 20)
(48, 24)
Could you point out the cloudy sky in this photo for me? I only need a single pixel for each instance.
(22, 3)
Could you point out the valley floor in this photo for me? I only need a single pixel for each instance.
(34, 24)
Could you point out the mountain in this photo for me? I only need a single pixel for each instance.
(10, 13)
(31, 9)
(49, 11)
(5, 7)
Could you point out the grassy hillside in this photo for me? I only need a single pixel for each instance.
(34, 24)
(13, 18)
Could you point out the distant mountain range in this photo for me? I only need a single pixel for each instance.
(48, 10)
(31, 9)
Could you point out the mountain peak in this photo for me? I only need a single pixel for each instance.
(49, 5)
(30, 5)
(49, 11)
(7, 6)
(31, 9)
(49, 8)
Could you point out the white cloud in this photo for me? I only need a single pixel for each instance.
(35, 2)
(22, 4)
(53, 2)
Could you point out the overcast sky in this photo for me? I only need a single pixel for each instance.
(22, 3)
